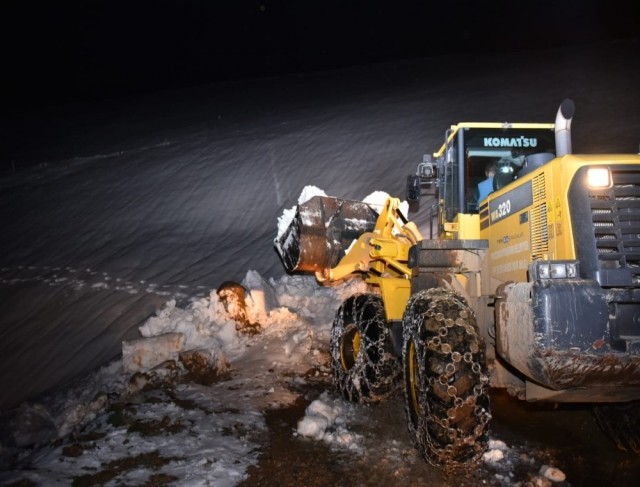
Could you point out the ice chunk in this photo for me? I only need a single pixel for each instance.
(309, 192)
(321, 408)
(377, 199)
(313, 427)
(497, 445)
(146, 353)
(552, 473)
(493, 456)
(263, 297)
(288, 215)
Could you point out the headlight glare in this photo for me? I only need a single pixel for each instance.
(598, 177)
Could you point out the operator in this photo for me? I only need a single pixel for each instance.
(486, 187)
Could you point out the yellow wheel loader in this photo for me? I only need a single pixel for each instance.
(529, 280)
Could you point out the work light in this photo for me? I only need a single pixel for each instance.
(598, 177)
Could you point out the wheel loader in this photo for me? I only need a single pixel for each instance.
(534, 288)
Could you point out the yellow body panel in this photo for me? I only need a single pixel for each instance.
(383, 255)
(464, 227)
(395, 294)
(521, 230)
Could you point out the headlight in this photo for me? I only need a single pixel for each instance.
(549, 269)
(598, 177)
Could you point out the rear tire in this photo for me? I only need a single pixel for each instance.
(621, 423)
(364, 369)
(445, 378)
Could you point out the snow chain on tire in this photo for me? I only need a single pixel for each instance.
(364, 369)
(446, 379)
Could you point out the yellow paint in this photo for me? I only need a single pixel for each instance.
(509, 259)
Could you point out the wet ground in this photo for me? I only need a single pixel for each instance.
(566, 437)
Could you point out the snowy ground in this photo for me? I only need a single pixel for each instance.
(126, 425)
(132, 212)
(199, 433)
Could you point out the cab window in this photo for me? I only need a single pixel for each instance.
(494, 157)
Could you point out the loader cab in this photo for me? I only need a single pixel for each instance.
(472, 151)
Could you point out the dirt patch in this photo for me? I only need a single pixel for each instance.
(165, 426)
(535, 435)
(111, 470)
(291, 460)
(389, 459)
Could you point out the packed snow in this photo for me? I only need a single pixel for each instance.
(289, 214)
(325, 419)
(122, 219)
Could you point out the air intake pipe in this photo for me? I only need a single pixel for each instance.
(563, 127)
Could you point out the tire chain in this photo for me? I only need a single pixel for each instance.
(464, 447)
(367, 381)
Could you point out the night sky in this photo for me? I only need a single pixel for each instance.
(57, 51)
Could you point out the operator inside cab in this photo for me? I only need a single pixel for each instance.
(486, 187)
(481, 160)
(498, 172)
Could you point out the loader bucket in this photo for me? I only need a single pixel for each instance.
(321, 231)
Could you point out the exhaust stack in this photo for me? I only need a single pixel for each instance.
(563, 127)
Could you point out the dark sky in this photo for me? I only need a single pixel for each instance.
(73, 50)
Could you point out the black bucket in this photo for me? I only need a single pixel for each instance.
(321, 231)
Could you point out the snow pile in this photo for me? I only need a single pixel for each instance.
(324, 421)
(203, 324)
(495, 451)
(503, 461)
(36, 423)
(293, 309)
(293, 316)
(313, 303)
(377, 200)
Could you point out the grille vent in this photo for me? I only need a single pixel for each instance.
(538, 219)
(616, 222)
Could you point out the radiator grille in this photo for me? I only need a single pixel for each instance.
(539, 189)
(538, 219)
(616, 222)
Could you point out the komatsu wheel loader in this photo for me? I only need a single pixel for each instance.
(534, 288)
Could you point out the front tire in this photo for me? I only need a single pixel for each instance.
(445, 378)
(364, 369)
